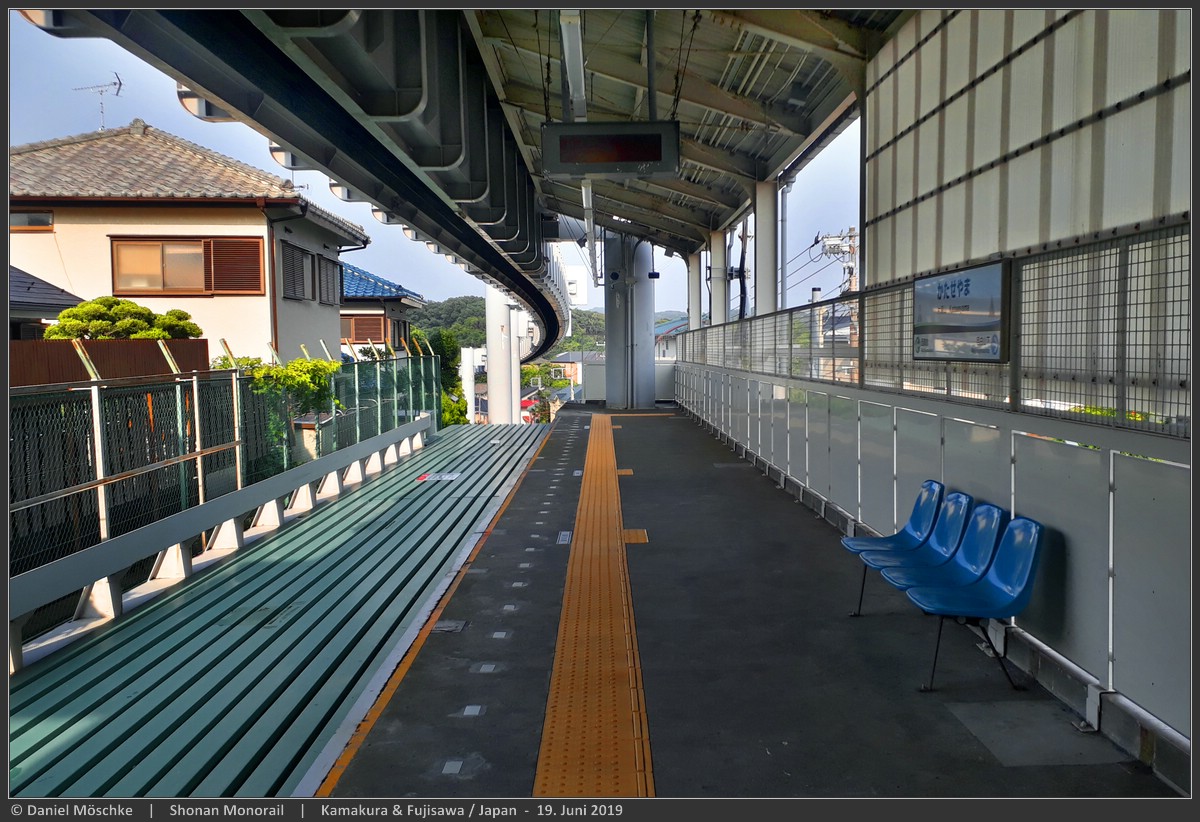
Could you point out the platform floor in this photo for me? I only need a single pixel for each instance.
(739, 673)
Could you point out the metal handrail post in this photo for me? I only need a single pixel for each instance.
(238, 454)
(199, 439)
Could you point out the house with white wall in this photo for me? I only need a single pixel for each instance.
(138, 213)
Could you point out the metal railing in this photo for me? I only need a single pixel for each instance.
(1099, 334)
(94, 460)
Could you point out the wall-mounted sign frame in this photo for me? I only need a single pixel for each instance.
(963, 316)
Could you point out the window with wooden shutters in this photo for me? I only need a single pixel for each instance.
(329, 274)
(297, 273)
(234, 265)
(187, 265)
(367, 329)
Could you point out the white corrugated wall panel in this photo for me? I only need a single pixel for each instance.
(954, 147)
(985, 221)
(906, 153)
(1129, 146)
(954, 224)
(1024, 204)
(1132, 49)
(1183, 41)
(930, 59)
(1027, 24)
(1028, 97)
(885, 172)
(902, 253)
(906, 38)
(958, 53)
(1067, 219)
(879, 238)
(871, 127)
(991, 38)
(904, 85)
(928, 153)
(1181, 151)
(927, 250)
(1070, 101)
(989, 105)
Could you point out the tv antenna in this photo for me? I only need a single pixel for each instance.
(102, 89)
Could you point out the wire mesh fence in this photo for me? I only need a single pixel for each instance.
(1099, 333)
(98, 459)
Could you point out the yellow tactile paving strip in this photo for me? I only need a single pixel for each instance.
(595, 741)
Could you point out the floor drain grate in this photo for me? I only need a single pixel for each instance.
(449, 626)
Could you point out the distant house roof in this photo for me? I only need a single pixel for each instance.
(670, 328)
(143, 162)
(580, 356)
(30, 295)
(361, 284)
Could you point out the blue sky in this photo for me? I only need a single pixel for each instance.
(45, 73)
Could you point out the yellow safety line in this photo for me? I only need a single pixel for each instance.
(595, 740)
(381, 702)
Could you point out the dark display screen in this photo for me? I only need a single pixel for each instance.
(610, 148)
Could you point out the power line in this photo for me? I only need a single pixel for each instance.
(810, 276)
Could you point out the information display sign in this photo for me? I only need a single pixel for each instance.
(962, 315)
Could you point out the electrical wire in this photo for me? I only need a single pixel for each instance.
(810, 276)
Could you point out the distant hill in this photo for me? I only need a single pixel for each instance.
(464, 317)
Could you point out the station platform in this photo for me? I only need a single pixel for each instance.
(650, 615)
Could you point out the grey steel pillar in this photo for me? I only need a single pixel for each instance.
(766, 252)
(719, 277)
(498, 319)
(695, 291)
(628, 323)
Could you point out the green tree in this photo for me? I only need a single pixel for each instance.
(113, 318)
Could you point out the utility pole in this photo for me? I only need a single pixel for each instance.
(845, 247)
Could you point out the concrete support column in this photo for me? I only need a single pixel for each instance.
(516, 324)
(719, 278)
(766, 250)
(628, 323)
(695, 291)
(498, 320)
(470, 358)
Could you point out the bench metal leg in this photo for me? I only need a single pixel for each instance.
(937, 646)
(1000, 662)
(862, 586)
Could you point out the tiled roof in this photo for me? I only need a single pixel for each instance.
(26, 291)
(140, 161)
(671, 328)
(359, 283)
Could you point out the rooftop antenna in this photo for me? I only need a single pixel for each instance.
(102, 89)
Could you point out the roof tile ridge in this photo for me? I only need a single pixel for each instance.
(57, 142)
(218, 157)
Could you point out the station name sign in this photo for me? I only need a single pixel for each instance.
(962, 315)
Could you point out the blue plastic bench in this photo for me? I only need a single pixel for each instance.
(915, 531)
(1001, 593)
(941, 543)
(969, 562)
